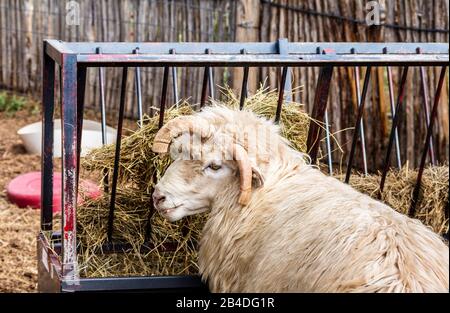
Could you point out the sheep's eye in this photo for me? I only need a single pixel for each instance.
(214, 167)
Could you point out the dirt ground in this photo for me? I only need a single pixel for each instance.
(18, 227)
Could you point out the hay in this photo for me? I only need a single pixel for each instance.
(130, 223)
(398, 190)
(137, 169)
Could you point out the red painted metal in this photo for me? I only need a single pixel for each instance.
(69, 165)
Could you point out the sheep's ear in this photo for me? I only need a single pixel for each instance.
(257, 178)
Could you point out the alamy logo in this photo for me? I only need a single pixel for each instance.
(72, 13)
(374, 13)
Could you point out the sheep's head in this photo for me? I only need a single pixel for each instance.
(207, 164)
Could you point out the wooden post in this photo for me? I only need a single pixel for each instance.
(247, 30)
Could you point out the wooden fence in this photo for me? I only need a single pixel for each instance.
(25, 23)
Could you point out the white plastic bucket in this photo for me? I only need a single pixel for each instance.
(31, 136)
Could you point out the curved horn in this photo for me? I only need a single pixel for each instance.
(245, 173)
(174, 128)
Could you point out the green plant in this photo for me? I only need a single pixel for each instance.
(11, 104)
(3, 100)
(16, 103)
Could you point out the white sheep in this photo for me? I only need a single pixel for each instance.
(277, 224)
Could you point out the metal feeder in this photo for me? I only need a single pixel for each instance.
(57, 262)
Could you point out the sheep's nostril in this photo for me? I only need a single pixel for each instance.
(158, 197)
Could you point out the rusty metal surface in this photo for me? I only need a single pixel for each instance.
(69, 161)
(318, 112)
(426, 110)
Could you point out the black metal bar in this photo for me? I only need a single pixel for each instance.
(162, 105)
(328, 143)
(392, 104)
(204, 85)
(318, 111)
(211, 82)
(102, 99)
(426, 108)
(244, 88)
(115, 177)
(81, 85)
(362, 132)
(281, 94)
(174, 81)
(103, 116)
(437, 96)
(137, 81)
(356, 132)
(156, 284)
(48, 104)
(395, 123)
(210, 77)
